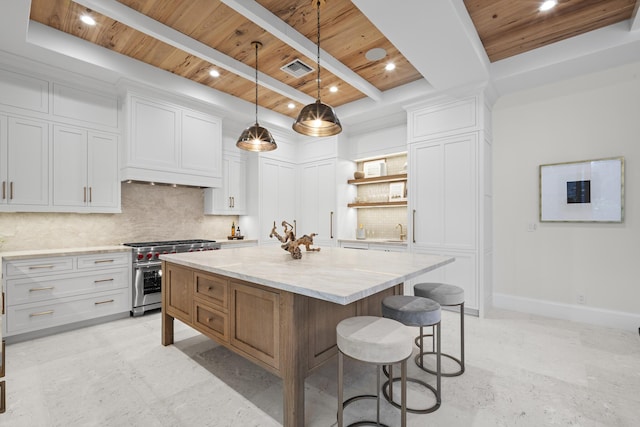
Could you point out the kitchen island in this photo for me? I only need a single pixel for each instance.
(279, 312)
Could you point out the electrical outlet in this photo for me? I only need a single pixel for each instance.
(581, 299)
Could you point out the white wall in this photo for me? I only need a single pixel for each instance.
(546, 270)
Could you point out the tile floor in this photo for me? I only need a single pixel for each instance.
(522, 370)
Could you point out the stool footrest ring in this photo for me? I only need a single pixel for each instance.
(385, 392)
(362, 423)
(431, 371)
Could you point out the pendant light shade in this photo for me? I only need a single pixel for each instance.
(318, 119)
(256, 138)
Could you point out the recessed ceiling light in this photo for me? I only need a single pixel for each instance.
(291, 105)
(547, 5)
(88, 20)
(390, 66)
(214, 73)
(333, 89)
(375, 54)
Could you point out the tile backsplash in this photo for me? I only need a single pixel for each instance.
(383, 223)
(148, 213)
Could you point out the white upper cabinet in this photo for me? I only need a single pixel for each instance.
(171, 144)
(24, 162)
(59, 142)
(230, 199)
(85, 171)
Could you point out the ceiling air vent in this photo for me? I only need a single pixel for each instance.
(297, 68)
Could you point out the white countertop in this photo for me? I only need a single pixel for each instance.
(333, 274)
(14, 255)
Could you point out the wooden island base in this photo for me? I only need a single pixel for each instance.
(286, 333)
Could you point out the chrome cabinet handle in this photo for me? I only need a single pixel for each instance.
(331, 224)
(414, 226)
(37, 267)
(90, 194)
(103, 280)
(47, 288)
(42, 313)
(103, 302)
(11, 190)
(4, 190)
(229, 201)
(84, 192)
(102, 261)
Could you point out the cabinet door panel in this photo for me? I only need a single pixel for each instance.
(154, 133)
(201, 144)
(103, 180)
(69, 167)
(427, 194)
(460, 183)
(28, 162)
(237, 174)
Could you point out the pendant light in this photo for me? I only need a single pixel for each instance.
(256, 138)
(318, 119)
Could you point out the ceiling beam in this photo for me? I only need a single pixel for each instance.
(166, 34)
(635, 17)
(262, 17)
(436, 36)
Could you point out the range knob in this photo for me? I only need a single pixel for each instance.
(149, 255)
(157, 255)
(140, 257)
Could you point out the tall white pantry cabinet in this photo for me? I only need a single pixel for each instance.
(450, 195)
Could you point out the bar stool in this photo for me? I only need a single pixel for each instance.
(414, 311)
(378, 341)
(449, 296)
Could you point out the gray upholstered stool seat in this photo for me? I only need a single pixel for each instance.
(445, 295)
(414, 311)
(373, 340)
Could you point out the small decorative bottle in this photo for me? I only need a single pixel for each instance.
(233, 229)
(238, 232)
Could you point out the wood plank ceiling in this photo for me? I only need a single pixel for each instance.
(506, 28)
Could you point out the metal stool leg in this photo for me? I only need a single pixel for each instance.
(387, 387)
(419, 359)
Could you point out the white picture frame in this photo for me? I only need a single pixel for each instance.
(397, 192)
(373, 168)
(584, 191)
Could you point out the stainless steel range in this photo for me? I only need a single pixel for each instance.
(147, 271)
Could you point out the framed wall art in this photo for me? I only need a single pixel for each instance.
(585, 191)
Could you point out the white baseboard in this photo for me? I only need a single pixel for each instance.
(576, 313)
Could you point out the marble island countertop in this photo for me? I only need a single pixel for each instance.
(393, 242)
(333, 274)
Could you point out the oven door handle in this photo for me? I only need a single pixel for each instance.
(148, 266)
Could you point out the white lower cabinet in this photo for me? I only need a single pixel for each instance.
(85, 171)
(48, 292)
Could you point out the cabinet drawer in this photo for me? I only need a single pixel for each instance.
(211, 322)
(212, 289)
(22, 291)
(39, 266)
(114, 259)
(31, 317)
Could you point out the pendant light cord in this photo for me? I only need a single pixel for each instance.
(318, 79)
(257, 46)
